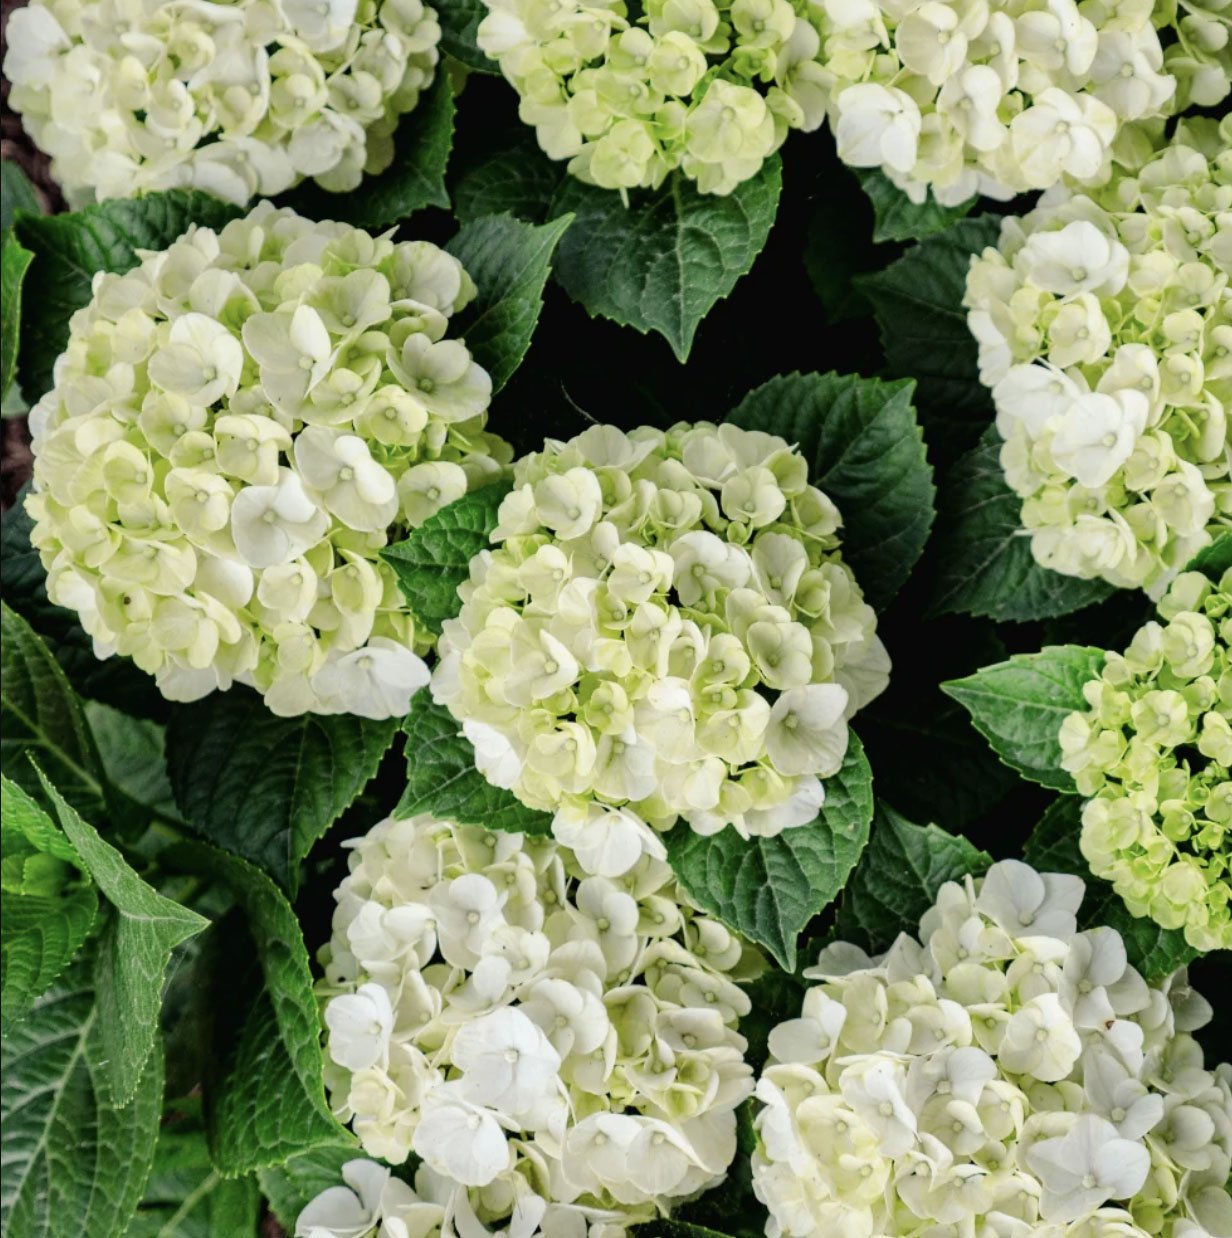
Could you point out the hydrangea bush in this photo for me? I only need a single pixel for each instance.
(1104, 319)
(665, 629)
(999, 1073)
(1152, 752)
(238, 98)
(238, 426)
(547, 1042)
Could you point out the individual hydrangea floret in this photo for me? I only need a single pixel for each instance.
(1011, 1077)
(560, 1050)
(373, 1204)
(1104, 320)
(708, 86)
(1152, 752)
(998, 97)
(238, 99)
(665, 629)
(238, 426)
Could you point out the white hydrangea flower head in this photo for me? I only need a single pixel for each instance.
(239, 99)
(560, 1050)
(708, 86)
(238, 426)
(1000, 97)
(1104, 320)
(1002, 1075)
(664, 629)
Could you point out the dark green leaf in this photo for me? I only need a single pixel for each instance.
(1054, 847)
(665, 1228)
(509, 261)
(48, 906)
(133, 951)
(263, 787)
(16, 194)
(838, 247)
(662, 262)
(517, 179)
(900, 219)
(459, 23)
(898, 877)
(866, 451)
(768, 889)
(1019, 706)
(292, 1186)
(985, 562)
(1213, 560)
(15, 260)
(435, 558)
(133, 754)
(71, 249)
(74, 1161)
(415, 179)
(441, 777)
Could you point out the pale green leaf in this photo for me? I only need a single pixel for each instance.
(133, 951)
(768, 889)
(1054, 848)
(866, 451)
(509, 261)
(898, 877)
(15, 261)
(263, 787)
(435, 558)
(985, 565)
(1019, 706)
(662, 262)
(133, 754)
(71, 249)
(16, 194)
(441, 777)
(74, 1161)
(292, 1186)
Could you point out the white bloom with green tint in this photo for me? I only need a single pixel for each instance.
(230, 444)
(1003, 1074)
(665, 628)
(560, 1050)
(1104, 319)
(1153, 753)
(240, 99)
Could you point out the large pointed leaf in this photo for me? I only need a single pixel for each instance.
(264, 787)
(74, 1161)
(768, 889)
(866, 451)
(662, 262)
(134, 950)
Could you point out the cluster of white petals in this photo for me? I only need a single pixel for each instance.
(560, 1050)
(237, 427)
(1011, 1077)
(665, 629)
(1002, 96)
(234, 97)
(1104, 320)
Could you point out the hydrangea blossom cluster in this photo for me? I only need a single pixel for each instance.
(238, 426)
(561, 1050)
(1153, 752)
(1003, 96)
(665, 629)
(238, 98)
(1104, 320)
(1010, 1076)
(709, 86)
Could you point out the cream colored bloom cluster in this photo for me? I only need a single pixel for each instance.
(665, 629)
(1002, 96)
(560, 1050)
(709, 86)
(1153, 752)
(1011, 1077)
(1105, 327)
(234, 97)
(238, 426)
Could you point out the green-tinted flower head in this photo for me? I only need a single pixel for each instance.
(1105, 327)
(1152, 752)
(238, 426)
(665, 629)
(238, 99)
